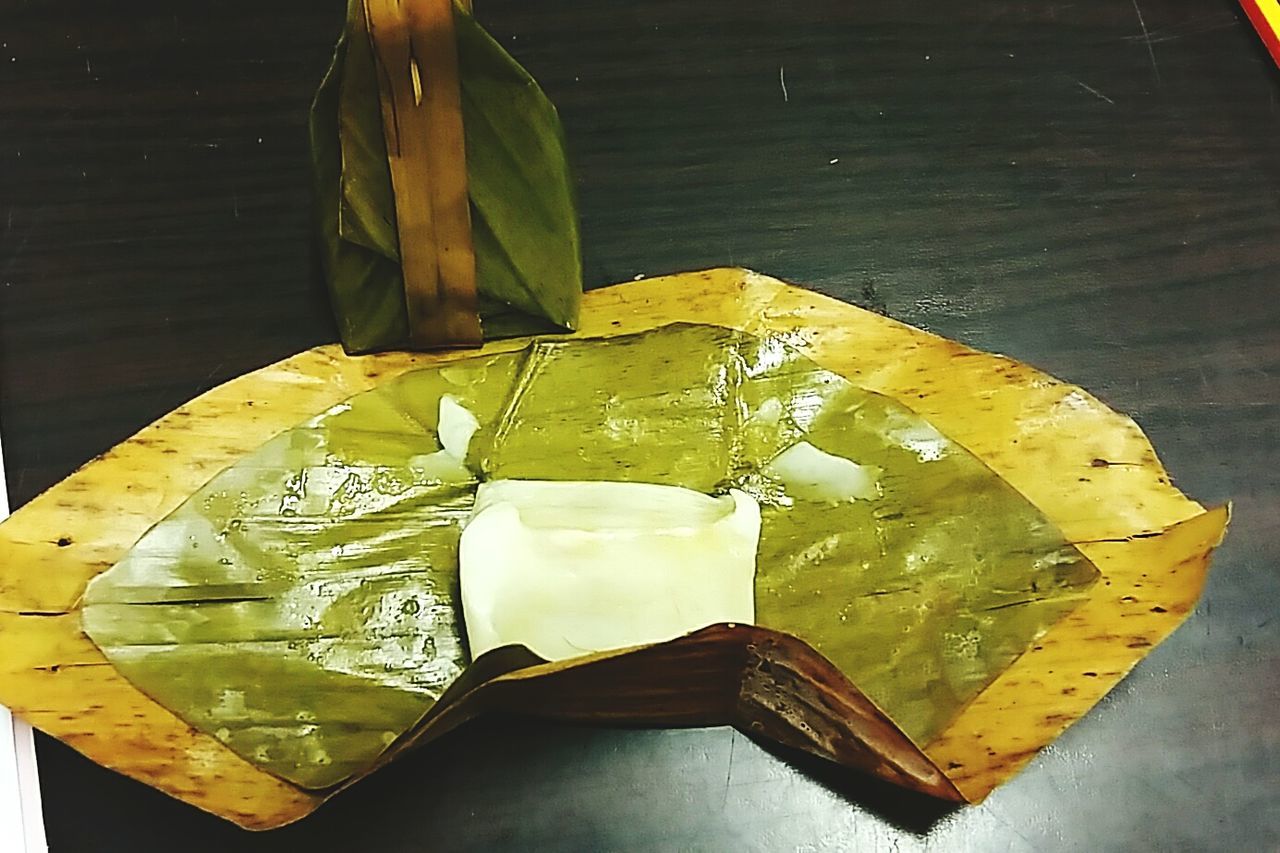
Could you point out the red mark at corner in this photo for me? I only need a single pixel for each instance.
(1265, 15)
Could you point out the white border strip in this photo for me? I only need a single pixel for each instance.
(21, 814)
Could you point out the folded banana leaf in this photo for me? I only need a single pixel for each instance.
(1090, 473)
(303, 606)
(523, 212)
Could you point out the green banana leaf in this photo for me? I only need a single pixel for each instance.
(523, 212)
(303, 606)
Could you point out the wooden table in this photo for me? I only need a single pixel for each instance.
(1090, 187)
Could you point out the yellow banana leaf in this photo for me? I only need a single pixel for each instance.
(998, 494)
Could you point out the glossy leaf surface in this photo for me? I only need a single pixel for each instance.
(303, 608)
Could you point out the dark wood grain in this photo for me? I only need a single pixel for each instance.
(1091, 187)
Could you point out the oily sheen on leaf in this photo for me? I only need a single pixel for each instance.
(303, 607)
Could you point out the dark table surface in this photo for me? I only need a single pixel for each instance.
(1092, 187)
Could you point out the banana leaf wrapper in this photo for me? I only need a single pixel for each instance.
(303, 606)
(792, 679)
(523, 212)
